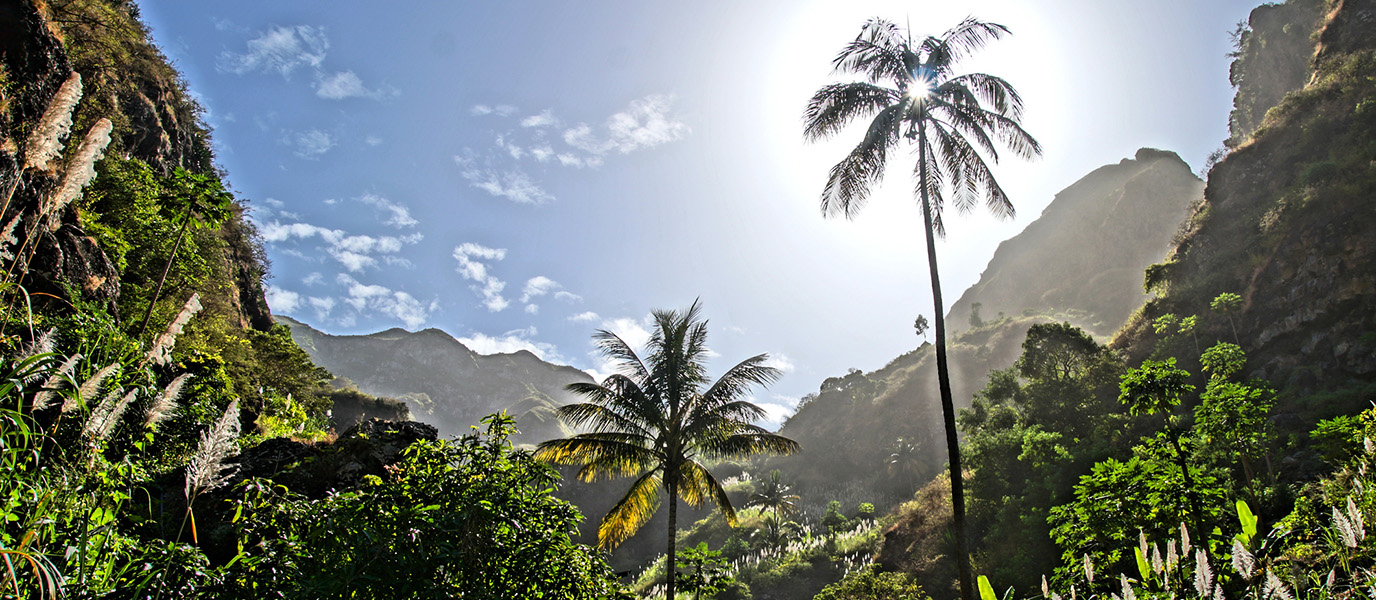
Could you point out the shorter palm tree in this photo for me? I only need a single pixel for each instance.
(659, 420)
(772, 494)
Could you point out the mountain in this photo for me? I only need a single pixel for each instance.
(442, 381)
(1287, 224)
(1087, 250)
(1081, 260)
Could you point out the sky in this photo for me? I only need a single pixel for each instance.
(522, 174)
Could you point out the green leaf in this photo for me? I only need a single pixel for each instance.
(1249, 522)
(1143, 566)
(986, 591)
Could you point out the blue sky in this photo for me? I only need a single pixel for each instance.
(520, 174)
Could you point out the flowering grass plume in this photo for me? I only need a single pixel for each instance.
(82, 168)
(111, 420)
(44, 397)
(7, 237)
(45, 141)
(90, 387)
(165, 406)
(101, 413)
(161, 353)
(208, 470)
(42, 344)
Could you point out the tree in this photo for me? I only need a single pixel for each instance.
(706, 570)
(657, 419)
(921, 325)
(201, 201)
(1228, 303)
(772, 494)
(912, 94)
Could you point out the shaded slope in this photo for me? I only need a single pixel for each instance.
(443, 382)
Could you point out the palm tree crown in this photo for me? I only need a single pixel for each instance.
(773, 494)
(912, 93)
(659, 419)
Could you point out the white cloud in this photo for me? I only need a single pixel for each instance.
(315, 278)
(341, 85)
(279, 49)
(584, 317)
(355, 252)
(780, 362)
(542, 153)
(322, 306)
(544, 119)
(401, 215)
(511, 184)
(533, 309)
(471, 267)
(538, 286)
(501, 110)
(777, 409)
(282, 301)
(310, 144)
(631, 331)
(567, 296)
(646, 123)
(512, 341)
(378, 299)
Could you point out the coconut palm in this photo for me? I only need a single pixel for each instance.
(658, 419)
(912, 96)
(772, 494)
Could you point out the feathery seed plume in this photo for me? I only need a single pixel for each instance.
(82, 169)
(1185, 544)
(45, 141)
(161, 353)
(1142, 542)
(1128, 593)
(1344, 529)
(1089, 569)
(1354, 515)
(165, 406)
(101, 413)
(207, 469)
(1203, 575)
(7, 238)
(42, 344)
(1243, 561)
(1171, 557)
(1157, 564)
(1274, 587)
(116, 413)
(1046, 589)
(44, 397)
(91, 386)
(1366, 445)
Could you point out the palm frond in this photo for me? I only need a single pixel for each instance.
(615, 348)
(878, 52)
(746, 444)
(837, 105)
(698, 485)
(632, 512)
(960, 41)
(602, 455)
(850, 181)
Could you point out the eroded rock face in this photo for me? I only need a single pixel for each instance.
(1273, 59)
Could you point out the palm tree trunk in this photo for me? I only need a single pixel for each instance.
(948, 409)
(186, 220)
(671, 485)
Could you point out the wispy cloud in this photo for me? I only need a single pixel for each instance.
(584, 317)
(777, 409)
(780, 362)
(544, 119)
(400, 215)
(310, 144)
(279, 49)
(512, 341)
(282, 301)
(538, 286)
(345, 84)
(501, 110)
(365, 298)
(355, 252)
(646, 123)
(513, 184)
(472, 267)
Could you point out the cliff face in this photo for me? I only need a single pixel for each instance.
(1287, 223)
(127, 80)
(1273, 58)
(1087, 250)
(1082, 260)
(442, 381)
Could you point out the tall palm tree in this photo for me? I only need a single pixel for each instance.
(658, 419)
(911, 94)
(773, 494)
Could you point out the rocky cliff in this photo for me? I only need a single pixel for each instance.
(1274, 51)
(442, 381)
(1086, 252)
(1287, 223)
